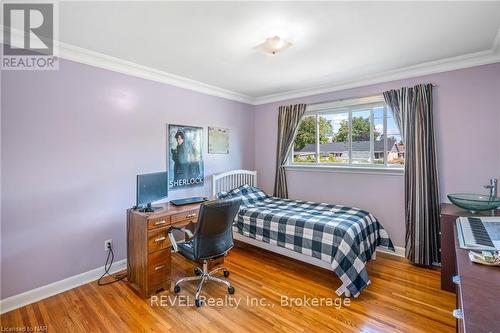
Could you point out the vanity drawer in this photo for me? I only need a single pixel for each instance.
(158, 240)
(158, 222)
(191, 215)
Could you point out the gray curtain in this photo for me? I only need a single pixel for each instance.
(288, 122)
(412, 109)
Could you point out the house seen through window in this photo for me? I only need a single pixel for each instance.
(354, 135)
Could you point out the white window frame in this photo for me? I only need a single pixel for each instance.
(348, 106)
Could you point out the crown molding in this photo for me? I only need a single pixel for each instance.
(100, 60)
(432, 67)
(96, 59)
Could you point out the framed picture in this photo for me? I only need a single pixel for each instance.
(186, 167)
(218, 140)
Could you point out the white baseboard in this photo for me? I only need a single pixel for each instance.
(399, 251)
(54, 288)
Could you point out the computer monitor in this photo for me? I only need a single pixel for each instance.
(151, 187)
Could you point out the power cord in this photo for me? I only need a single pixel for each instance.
(107, 267)
(111, 254)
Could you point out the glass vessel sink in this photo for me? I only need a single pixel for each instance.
(474, 202)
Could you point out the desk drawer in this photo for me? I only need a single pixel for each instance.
(160, 275)
(159, 261)
(191, 215)
(158, 240)
(158, 222)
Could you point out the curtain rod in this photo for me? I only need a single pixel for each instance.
(345, 99)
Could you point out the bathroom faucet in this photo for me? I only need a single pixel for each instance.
(492, 187)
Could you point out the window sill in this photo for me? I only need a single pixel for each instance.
(392, 171)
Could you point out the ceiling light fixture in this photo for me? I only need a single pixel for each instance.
(273, 45)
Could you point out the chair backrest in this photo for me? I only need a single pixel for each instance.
(213, 235)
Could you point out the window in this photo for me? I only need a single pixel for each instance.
(356, 133)
(304, 146)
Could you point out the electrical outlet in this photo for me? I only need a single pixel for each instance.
(108, 244)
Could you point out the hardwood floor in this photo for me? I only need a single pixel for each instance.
(401, 298)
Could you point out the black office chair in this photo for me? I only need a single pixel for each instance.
(212, 238)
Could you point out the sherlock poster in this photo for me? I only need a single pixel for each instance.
(185, 156)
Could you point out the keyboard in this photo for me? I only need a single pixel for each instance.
(479, 233)
(187, 201)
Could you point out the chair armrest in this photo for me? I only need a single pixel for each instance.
(175, 228)
(172, 238)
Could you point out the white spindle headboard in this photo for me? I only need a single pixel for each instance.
(232, 179)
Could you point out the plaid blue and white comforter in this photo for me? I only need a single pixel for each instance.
(345, 237)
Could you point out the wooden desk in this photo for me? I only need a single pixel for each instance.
(449, 214)
(478, 293)
(149, 248)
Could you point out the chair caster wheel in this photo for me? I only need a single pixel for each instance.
(177, 289)
(230, 290)
(197, 271)
(198, 302)
(226, 273)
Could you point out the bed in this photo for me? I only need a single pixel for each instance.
(335, 237)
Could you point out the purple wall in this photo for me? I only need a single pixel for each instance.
(72, 142)
(467, 116)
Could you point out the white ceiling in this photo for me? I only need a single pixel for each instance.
(334, 42)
